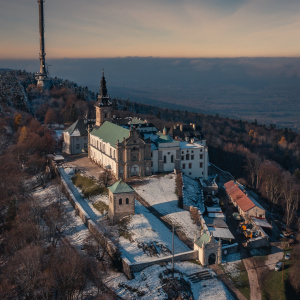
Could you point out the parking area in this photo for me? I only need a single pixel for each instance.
(84, 164)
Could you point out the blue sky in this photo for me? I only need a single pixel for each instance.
(165, 28)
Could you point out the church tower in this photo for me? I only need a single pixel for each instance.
(103, 105)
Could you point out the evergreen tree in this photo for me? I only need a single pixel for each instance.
(73, 113)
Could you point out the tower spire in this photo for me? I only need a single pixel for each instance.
(103, 105)
(42, 76)
(103, 88)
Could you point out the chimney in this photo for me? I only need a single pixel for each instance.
(181, 127)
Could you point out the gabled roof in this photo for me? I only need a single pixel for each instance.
(121, 187)
(245, 203)
(228, 185)
(79, 126)
(111, 133)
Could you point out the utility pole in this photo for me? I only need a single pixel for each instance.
(172, 250)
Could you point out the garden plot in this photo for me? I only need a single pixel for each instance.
(146, 238)
(159, 192)
(192, 193)
(97, 203)
(149, 283)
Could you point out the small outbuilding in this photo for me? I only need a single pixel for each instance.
(209, 251)
(121, 201)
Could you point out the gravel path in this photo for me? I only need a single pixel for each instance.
(255, 293)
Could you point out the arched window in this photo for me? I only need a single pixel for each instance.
(127, 201)
(120, 201)
(172, 158)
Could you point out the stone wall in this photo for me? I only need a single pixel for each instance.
(226, 250)
(190, 255)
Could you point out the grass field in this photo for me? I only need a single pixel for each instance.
(275, 283)
(101, 206)
(88, 186)
(239, 277)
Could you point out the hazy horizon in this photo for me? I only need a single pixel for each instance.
(266, 89)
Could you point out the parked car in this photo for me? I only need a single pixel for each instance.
(278, 266)
(287, 256)
(237, 217)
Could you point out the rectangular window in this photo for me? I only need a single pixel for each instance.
(182, 157)
(201, 165)
(85, 146)
(192, 157)
(201, 156)
(77, 146)
(127, 201)
(187, 157)
(120, 201)
(190, 166)
(172, 158)
(165, 159)
(183, 166)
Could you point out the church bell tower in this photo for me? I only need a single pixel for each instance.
(103, 105)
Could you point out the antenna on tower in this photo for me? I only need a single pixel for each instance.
(42, 76)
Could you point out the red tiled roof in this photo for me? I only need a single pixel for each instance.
(245, 203)
(229, 184)
(236, 194)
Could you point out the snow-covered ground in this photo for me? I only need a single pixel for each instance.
(145, 228)
(192, 193)
(74, 230)
(159, 191)
(147, 284)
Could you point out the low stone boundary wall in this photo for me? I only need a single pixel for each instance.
(226, 250)
(130, 268)
(90, 224)
(102, 238)
(258, 242)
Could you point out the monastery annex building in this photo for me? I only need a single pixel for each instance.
(136, 148)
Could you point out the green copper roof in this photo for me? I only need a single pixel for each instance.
(164, 139)
(204, 239)
(110, 133)
(121, 187)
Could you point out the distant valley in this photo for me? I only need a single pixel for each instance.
(266, 89)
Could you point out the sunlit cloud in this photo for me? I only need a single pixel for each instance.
(169, 28)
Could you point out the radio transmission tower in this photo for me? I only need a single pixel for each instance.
(42, 76)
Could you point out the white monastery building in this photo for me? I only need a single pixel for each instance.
(137, 149)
